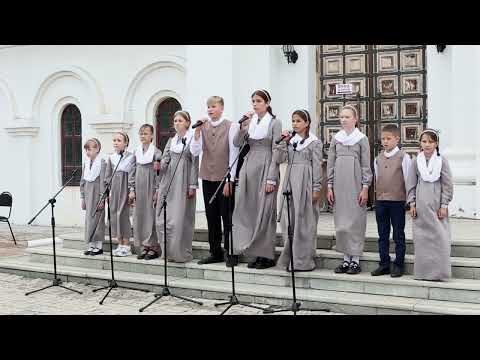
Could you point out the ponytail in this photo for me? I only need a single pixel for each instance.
(269, 109)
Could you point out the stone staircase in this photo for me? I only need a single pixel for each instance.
(340, 293)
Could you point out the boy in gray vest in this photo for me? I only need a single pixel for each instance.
(214, 139)
(391, 167)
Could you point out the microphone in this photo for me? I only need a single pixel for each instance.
(184, 141)
(158, 160)
(244, 118)
(199, 123)
(293, 133)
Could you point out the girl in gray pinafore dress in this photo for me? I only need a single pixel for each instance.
(430, 190)
(181, 199)
(91, 186)
(254, 216)
(349, 177)
(143, 186)
(119, 203)
(304, 179)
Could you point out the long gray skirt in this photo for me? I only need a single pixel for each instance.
(304, 218)
(119, 208)
(93, 225)
(349, 217)
(254, 216)
(180, 209)
(431, 236)
(144, 231)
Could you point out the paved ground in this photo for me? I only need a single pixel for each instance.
(58, 301)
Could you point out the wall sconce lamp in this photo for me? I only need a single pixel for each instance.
(441, 48)
(290, 53)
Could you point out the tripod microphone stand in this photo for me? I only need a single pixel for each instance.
(232, 260)
(56, 281)
(287, 193)
(166, 290)
(112, 283)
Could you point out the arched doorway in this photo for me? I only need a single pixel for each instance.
(164, 121)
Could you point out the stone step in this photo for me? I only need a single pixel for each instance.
(462, 267)
(336, 301)
(460, 248)
(459, 290)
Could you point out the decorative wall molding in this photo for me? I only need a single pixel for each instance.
(464, 180)
(109, 124)
(167, 61)
(22, 127)
(77, 73)
(6, 89)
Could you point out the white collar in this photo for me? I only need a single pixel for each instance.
(258, 130)
(216, 123)
(392, 153)
(307, 141)
(432, 172)
(176, 144)
(147, 157)
(349, 140)
(92, 174)
(125, 165)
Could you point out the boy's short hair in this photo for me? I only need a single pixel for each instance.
(391, 128)
(215, 100)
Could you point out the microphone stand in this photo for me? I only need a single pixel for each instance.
(231, 259)
(166, 291)
(112, 283)
(287, 193)
(56, 281)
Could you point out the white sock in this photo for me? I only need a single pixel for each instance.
(356, 259)
(346, 257)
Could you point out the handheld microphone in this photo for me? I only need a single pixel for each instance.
(199, 123)
(158, 160)
(293, 133)
(244, 118)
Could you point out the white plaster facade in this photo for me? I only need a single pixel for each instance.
(119, 86)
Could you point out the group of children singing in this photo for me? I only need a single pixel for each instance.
(144, 179)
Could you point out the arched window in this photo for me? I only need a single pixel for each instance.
(164, 120)
(71, 133)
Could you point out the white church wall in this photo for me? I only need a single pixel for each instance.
(47, 78)
(453, 90)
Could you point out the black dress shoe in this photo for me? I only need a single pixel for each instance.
(87, 252)
(342, 268)
(354, 268)
(142, 254)
(96, 252)
(151, 254)
(381, 270)
(397, 271)
(211, 260)
(265, 263)
(253, 264)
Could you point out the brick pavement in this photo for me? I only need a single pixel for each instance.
(58, 301)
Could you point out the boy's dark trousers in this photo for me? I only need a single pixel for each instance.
(391, 212)
(216, 212)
